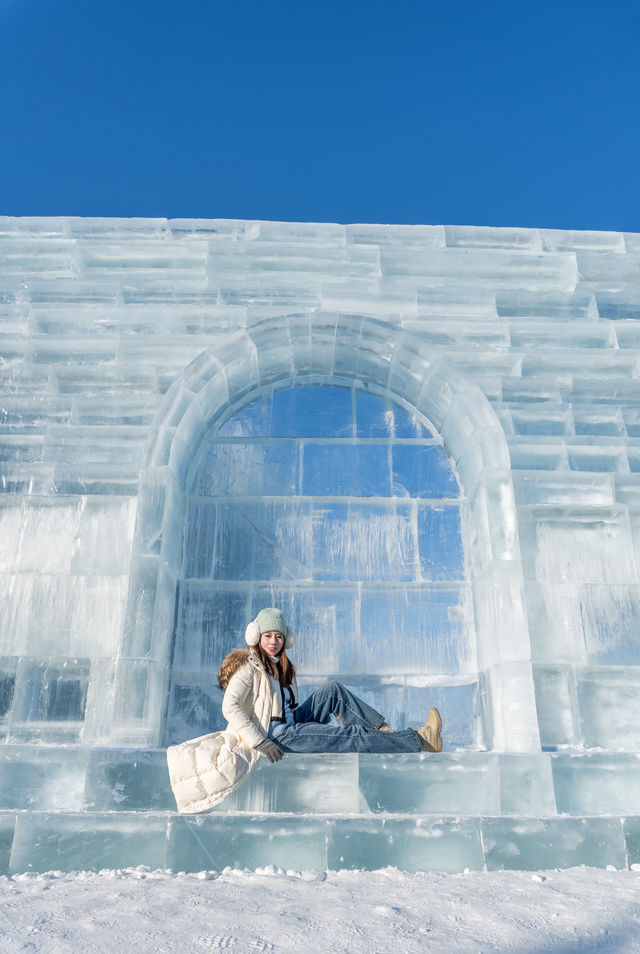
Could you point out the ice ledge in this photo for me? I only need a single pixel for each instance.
(40, 841)
(94, 780)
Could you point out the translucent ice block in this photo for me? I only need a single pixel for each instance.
(598, 459)
(50, 257)
(104, 537)
(48, 535)
(7, 827)
(518, 843)
(376, 417)
(312, 412)
(363, 541)
(42, 778)
(127, 780)
(210, 622)
(114, 228)
(408, 844)
(541, 420)
(343, 470)
(422, 471)
(532, 487)
(216, 841)
(431, 784)
(511, 707)
(526, 785)
(597, 784)
(631, 828)
(557, 705)
(195, 706)
(141, 258)
(137, 636)
(607, 266)
(262, 540)
(471, 236)
(593, 546)
(424, 236)
(309, 784)
(417, 629)
(11, 520)
(40, 225)
(609, 701)
(440, 543)
(457, 302)
(563, 239)
(50, 693)
(88, 841)
(610, 618)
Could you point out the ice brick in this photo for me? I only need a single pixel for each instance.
(523, 844)
(422, 471)
(597, 784)
(42, 777)
(631, 828)
(417, 629)
(7, 828)
(557, 705)
(408, 844)
(249, 469)
(215, 841)
(88, 841)
(194, 707)
(306, 784)
(376, 417)
(127, 780)
(432, 784)
(526, 785)
(363, 541)
(248, 541)
(609, 701)
(343, 470)
(440, 543)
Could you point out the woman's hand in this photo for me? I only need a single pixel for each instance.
(272, 751)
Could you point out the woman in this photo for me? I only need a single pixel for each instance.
(261, 704)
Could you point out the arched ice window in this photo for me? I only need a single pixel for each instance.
(343, 509)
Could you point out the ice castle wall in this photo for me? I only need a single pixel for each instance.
(100, 320)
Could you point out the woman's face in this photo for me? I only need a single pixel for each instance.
(272, 642)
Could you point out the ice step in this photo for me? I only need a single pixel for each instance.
(71, 841)
(77, 778)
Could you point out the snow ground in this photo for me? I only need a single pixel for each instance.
(138, 910)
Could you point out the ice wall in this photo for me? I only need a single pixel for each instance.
(125, 346)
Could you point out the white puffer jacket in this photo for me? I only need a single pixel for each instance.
(206, 770)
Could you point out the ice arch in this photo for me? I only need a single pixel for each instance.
(341, 508)
(295, 350)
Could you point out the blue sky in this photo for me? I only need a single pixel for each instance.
(431, 111)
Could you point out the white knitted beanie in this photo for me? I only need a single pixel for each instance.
(267, 620)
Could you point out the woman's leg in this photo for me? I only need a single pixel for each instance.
(333, 699)
(319, 737)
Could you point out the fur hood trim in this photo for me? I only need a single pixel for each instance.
(236, 659)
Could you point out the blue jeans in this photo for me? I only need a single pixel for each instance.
(358, 730)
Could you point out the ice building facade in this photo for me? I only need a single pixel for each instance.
(422, 442)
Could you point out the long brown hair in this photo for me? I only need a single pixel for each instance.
(284, 671)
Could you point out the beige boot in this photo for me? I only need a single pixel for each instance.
(429, 733)
(385, 728)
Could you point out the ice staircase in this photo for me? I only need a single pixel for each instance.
(78, 808)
